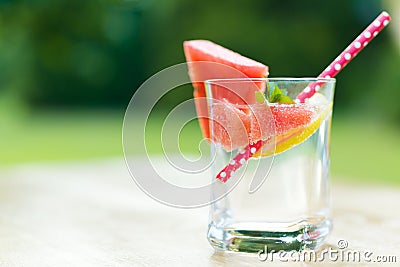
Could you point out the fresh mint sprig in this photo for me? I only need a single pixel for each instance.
(276, 95)
(259, 97)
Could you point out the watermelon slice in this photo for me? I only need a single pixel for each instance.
(222, 63)
(237, 126)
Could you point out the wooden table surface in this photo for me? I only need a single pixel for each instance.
(93, 214)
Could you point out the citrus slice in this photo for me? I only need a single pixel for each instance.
(295, 136)
(236, 126)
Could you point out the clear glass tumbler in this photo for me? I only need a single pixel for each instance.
(279, 199)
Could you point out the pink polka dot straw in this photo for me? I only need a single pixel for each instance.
(331, 71)
(348, 54)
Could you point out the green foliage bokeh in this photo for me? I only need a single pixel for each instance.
(97, 52)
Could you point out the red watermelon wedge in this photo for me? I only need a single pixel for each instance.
(236, 126)
(227, 64)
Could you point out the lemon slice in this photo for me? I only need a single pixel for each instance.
(294, 137)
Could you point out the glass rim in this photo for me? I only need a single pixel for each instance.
(273, 79)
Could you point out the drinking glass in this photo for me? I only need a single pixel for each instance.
(280, 198)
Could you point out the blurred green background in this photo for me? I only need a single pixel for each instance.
(69, 69)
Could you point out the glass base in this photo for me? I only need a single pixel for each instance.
(273, 237)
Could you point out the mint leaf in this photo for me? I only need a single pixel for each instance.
(260, 97)
(285, 100)
(276, 95)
